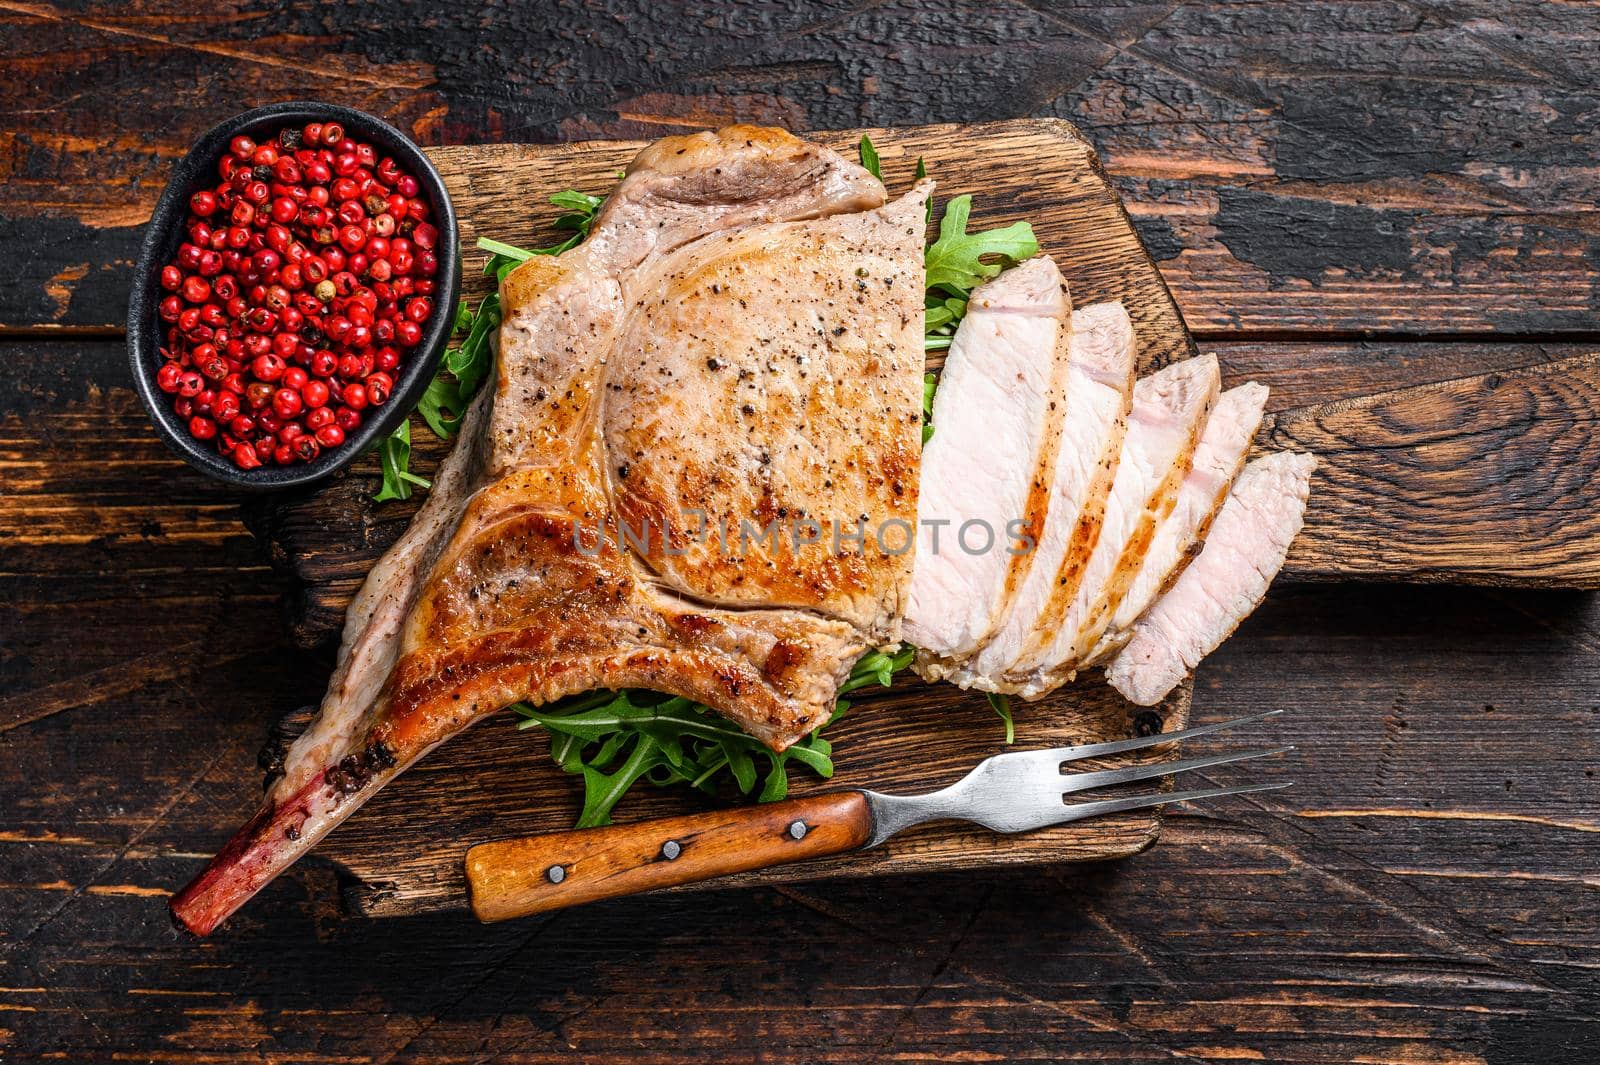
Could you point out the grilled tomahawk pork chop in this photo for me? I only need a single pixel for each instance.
(987, 469)
(738, 340)
(1244, 550)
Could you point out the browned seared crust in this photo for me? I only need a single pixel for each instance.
(533, 603)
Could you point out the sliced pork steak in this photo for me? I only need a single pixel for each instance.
(1100, 369)
(986, 471)
(1169, 411)
(1244, 550)
(786, 282)
(1217, 462)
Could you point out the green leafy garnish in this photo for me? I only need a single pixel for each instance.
(614, 739)
(869, 157)
(581, 209)
(957, 263)
(955, 260)
(1001, 704)
(466, 366)
(497, 249)
(929, 384)
(394, 454)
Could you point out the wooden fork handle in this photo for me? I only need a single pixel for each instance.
(516, 877)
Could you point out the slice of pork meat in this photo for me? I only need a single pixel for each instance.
(1217, 462)
(987, 469)
(1099, 390)
(1169, 411)
(1244, 550)
(516, 579)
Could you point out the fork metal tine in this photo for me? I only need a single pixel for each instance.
(1080, 810)
(1023, 790)
(1096, 750)
(1072, 782)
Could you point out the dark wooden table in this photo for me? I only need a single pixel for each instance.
(1343, 197)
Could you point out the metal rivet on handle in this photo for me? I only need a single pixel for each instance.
(555, 874)
(798, 830)
(670, 849)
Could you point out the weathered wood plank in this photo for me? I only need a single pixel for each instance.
(1255, 143)
(1306, 373)
(1425, 894)
(1484, 480)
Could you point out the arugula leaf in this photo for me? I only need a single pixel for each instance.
(944, 311)
(394, 455)
(466, 366)
(581, 210)
(929, 384)
(438, 407)
(602, 791)
(956, 265)
(508, 251)
(955, 261)
(614, 739)
(1001, 704)
(869, 157)
(740, 764)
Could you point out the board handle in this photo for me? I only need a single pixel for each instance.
(517, 877)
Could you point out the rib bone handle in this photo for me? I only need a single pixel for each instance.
(517, 877)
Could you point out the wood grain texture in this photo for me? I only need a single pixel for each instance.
(1425, 894)
(1349, 166)
(520, 877)
(1490, 479)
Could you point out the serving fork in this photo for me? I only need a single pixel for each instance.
(1014, 792)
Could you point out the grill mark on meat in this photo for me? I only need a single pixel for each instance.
(1170, 408)
(1218, 459)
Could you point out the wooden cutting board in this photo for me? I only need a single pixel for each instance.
(1445, 482)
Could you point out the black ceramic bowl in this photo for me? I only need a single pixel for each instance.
(198, 170)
